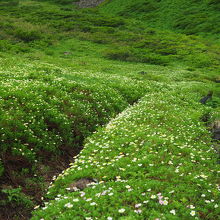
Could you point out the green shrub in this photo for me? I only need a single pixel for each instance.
(16, 198)
(122, 54)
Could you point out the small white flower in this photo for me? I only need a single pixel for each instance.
(192, 213)
(68, 205)
(165, 202)
(138, 205)
(153, 197)
(127, 186)
(203, 195)
(173, 212)
(121, 210)
(145, 202)
(138, 211)
(93, 203)
(216, 206)
(191, 207)
(109, 218)
(75, 200)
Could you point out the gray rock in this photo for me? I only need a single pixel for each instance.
(81, 184)
(216, 130)
(88, 3)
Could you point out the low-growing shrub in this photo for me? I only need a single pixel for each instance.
(152, 161)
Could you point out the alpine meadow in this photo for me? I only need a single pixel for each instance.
(109, 109)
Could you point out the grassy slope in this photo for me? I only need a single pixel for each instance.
(186, 16)
(52, 100)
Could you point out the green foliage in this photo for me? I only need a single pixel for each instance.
(17, 198)
(144, 162)
(9, 3)
(185, 16)
(62, 77)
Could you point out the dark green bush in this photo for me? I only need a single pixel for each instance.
(123, 54)
(9, 3)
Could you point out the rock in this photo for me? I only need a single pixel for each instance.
(206, 98)
(143, 72)
(67, 53)
(81, 184)
(88, 3)
(216, 130)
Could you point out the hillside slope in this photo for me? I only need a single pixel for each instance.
(65, 73)
(185, 16)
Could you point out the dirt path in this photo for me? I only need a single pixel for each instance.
(89, 3)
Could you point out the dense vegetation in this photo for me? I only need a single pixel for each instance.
(185, 16)
(66, 72)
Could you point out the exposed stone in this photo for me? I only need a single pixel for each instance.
(206, 98)
(88, 3)
(143, 72)
(81, 184)
(216, 130)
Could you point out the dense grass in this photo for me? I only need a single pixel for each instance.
(65, 72)
(185, 16)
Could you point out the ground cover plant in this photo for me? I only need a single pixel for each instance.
(154, 161)
(43, 115)
(65, 72)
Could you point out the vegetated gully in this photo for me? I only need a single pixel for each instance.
(48, 168)
(55, 168)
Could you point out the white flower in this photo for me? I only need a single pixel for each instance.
(109, 218)
(138, 211)
(138, 205)
(153, 197)
(75, 200)
(192, 213)
(121, 210)
(93, 203)
(203, 195)
(173, 212)
(192, 207)
(127, 186)
(68, 205)
(165, 202)
(216, 206)
(145, 202)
